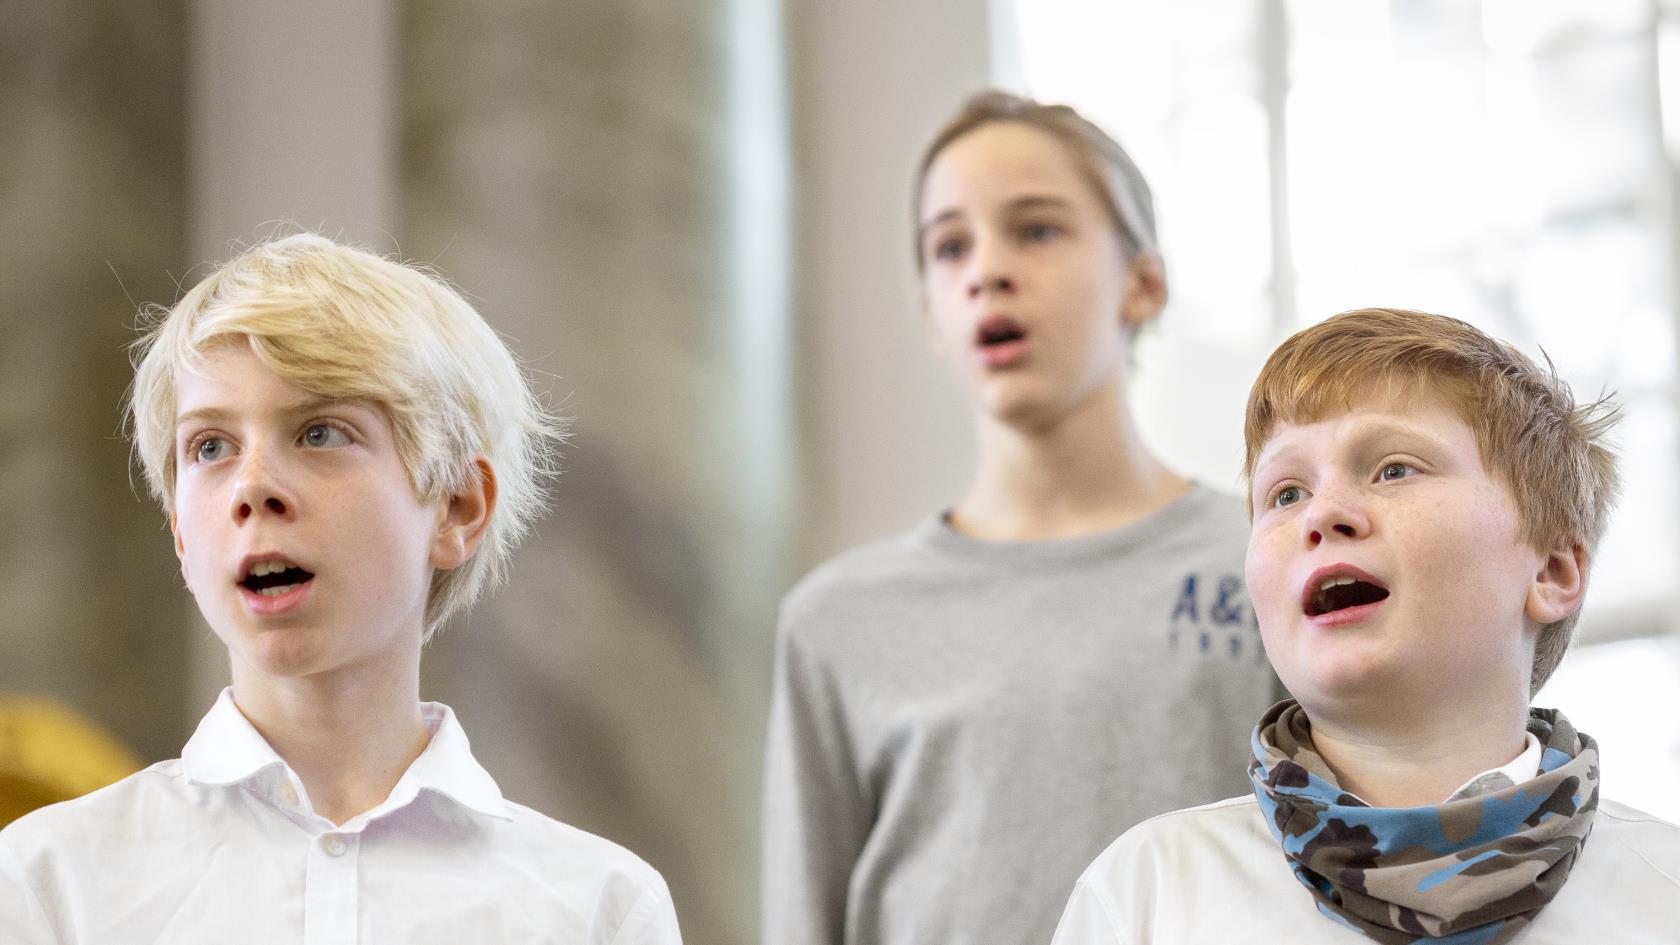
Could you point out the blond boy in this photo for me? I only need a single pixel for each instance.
(1426, 501)
(347, 454)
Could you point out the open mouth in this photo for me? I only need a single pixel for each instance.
(1339, 592)
(272, 577)
(998, 330)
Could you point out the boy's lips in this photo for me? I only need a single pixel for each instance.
(272, 583)
(1341, 593)
(1001, 341)
(272, 604)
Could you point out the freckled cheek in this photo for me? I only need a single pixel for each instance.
(389, 523)
(198, 535)
(1264, 576)
(1456, 549)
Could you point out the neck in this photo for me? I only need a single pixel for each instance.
(348, 735)
(1418, 760)
(1085, 472)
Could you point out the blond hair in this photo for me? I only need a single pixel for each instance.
(1098, 158)
(1549, 452)
(342, 323)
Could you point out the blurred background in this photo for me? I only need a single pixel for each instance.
(692, 219)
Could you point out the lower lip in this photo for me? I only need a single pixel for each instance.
(1346, 615)
(279, 603)
(1005, 355)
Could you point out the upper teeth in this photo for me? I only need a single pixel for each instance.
(1335, 581)
(268, 567)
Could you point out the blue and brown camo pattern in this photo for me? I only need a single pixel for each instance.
(1472, 871)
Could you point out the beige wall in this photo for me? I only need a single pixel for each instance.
(883, 429)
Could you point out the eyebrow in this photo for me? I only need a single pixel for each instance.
(288, 409)
(1029, 202)
(1361, 439)
(1375, 429)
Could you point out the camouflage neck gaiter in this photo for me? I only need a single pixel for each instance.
(1473, 871)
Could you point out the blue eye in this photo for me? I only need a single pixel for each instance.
(1395, 471)
(324, 435)
(1288, 495)
(209, 449)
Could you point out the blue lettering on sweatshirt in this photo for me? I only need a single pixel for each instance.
(1210, 610)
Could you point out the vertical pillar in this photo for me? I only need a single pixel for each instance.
(291, 122)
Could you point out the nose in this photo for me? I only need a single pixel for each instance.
(1335, 513)
(258, 491)
(989, 270)
(995, 283)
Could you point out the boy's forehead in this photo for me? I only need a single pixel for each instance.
(230, 378)
(226, 369)
(994, 164)
(1405, 409)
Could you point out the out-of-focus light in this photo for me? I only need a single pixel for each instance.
(1627, 696)
(1531, 27)
(1668, 80)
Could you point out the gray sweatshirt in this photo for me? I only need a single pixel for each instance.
(959, 727)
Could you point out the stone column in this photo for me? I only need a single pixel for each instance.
(606, 182)
(292, 126)
(92, 192)
(884, 430)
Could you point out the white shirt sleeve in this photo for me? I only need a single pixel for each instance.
(651, 921)
(1087, 921)
(22, 920)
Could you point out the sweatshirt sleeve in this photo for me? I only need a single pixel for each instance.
(815, 816)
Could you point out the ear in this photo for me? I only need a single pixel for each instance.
(1145, 291)
(466, 515)
(180, 546)
(1559, 586)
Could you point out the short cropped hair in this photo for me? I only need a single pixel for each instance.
(1098, 158)
(1549, 452)
(343, 323)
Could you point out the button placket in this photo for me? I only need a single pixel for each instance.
(331, 890)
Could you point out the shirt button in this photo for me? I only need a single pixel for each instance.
(333, 844)
(288, 795)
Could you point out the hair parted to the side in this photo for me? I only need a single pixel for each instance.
(1100, 160)
(343, 323)
(1549, 452)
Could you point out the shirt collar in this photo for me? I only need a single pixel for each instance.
(1524, 767)
(227, 749)
(448, 767)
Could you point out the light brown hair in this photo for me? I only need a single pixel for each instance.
(1098, 158)
(1549, 452)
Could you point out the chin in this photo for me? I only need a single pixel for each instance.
(1342, 679)
(288, 664)
(280, 652)
(1026, 409)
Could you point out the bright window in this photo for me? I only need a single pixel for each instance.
(1504, 162)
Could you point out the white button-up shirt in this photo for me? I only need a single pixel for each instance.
(222, 846)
